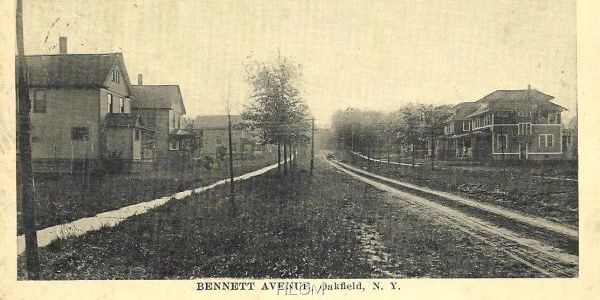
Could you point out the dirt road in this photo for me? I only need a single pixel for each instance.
(523, 245)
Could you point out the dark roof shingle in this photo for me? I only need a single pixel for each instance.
(71, 70)
(157, 96)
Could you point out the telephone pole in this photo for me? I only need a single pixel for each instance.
(312, 147)
(231, 187)
(24, 128)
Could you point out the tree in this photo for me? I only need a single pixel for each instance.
(276, 110)
(409, 130)
(434, 120)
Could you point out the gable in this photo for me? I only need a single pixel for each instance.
(117, 80)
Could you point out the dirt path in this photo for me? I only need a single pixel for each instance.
(567, 230)
(541, 257)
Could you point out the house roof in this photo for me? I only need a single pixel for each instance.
(516, 95)
(507, 100)
(158, 96)
(215, 121)
(72, 70)
(461, 110)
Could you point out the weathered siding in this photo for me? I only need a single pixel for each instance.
(120, 139)
(536, 130)
(65, 109)
(157, 119)
(121, 86)
(512, 146)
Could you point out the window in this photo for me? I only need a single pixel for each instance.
(137, 134)
(524, 113)
(80, 134)
(568, 140)
(501, 114)
(546, 140)
(466, 126)
(121, 105)
(116, 76)
(173, 145)
(501, 142)
(524, 128)
(110, 103)
(39, 101)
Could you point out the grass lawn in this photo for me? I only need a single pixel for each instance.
(63, 198)
(327, 227)
(509, 187)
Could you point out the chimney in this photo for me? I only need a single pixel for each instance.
(529, 87)
(140, 79)
(62, 44)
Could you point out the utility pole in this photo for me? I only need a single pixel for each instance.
(231, 187)
(312, 147)
(28, 206)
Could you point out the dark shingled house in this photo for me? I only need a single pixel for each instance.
(506, 124)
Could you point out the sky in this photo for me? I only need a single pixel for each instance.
(365, 54)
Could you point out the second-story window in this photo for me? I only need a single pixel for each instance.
(116, 76)
(110, 104)
(39, 101)
(121, 105)
(524, 128)
(466, 126)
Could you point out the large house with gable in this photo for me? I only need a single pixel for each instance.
(504, 125)
(162, 107)
(82, 113)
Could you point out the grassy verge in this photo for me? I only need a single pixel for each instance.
(61, 199)
(324, 227)
(507, 187)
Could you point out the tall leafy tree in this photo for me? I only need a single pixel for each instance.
(276, 110)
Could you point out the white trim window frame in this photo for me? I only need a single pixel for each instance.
(466, 126)
(499, 143)
(547, 139)
(524, 128)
